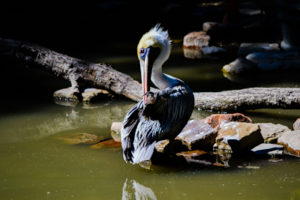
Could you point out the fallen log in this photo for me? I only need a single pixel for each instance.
(104, 76)
(249, 98)
(72, 69)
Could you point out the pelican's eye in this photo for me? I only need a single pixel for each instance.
(142, 53)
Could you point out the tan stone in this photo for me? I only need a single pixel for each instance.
(197, 135)
(291, 141)
(115, 131)
(196, 40)
(91, 94)
(240, 136)
(271, 132)
(296, 125)
(67, 94)
(216, 120)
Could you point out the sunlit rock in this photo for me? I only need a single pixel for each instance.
(197, 135)
(271, 132)
(216, 120)
(79, 138)
(266, 148)
(239, 66)
(291, 141)
(115, 131)
(246, 48)
(240, 136)
(169, 146)
(93, 94)
(296, 125)
(67, 94)
(196, 40)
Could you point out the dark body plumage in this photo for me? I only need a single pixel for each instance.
(163, 118)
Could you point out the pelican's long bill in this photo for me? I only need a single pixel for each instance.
(145, 74)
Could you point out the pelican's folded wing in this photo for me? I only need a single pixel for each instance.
(130, 123)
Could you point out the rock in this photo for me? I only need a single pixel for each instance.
(282, 60)
(161, 145)
(246, 48)
(67, 94)
(115, 131)
(291, 141)
(239, 66)
(296, 125)
(110, 143)
(80, 138)
(92, 94)
(240, 136)
(196, 40)
(197, 135)
(169, 146)
(216, 120)
(271, 132)
(266, 148)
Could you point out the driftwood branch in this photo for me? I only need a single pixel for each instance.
(72, 69)
(104, 76)
(249, 98)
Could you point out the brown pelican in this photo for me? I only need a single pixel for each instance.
(160, 115)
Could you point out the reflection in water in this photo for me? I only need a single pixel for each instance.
(134, 190)
(57, 119)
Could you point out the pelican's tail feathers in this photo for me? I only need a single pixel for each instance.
(142, 154)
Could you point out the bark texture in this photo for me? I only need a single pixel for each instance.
(104, 76)
(73, 69)
(249, 98)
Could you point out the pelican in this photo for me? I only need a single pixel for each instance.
(160, 115)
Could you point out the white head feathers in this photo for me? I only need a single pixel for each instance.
(156, 37)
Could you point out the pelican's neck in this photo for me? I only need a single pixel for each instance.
(162, 80)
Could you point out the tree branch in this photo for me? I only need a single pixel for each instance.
(104, 76)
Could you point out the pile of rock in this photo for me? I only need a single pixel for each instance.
(213, 140)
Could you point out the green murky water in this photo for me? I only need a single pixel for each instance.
(34, 164)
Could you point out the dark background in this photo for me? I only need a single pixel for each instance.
(80, 27)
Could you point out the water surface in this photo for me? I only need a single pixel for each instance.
(34, 164)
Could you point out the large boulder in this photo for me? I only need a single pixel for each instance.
(296, 125)
(240, 136)
(197, 135)
(291, 141)
(271, 132)
(216, 120)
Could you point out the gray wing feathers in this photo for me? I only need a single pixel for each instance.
(130, 123)
(165, 118)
